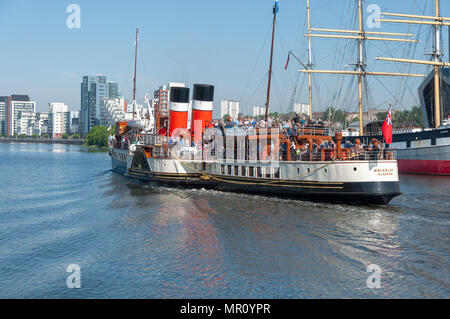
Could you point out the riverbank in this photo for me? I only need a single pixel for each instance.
(42, 141)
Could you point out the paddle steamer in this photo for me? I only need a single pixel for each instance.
(164, 149)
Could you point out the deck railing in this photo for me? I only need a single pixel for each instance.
(345, 154)
(313, 130)
(151, 139)
(318, 155)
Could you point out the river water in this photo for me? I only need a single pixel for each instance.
(61, 205)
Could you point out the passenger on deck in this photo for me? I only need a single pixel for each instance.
(303, 122)
(358, 149)
(293, 152)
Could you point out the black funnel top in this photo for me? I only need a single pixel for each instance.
(203, 92)
(179, 95)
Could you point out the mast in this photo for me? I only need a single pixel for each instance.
(437, 58)
(361, 67)
(135, 68)
(438, 22)
(361, 36)
(309, 65)
(275, 11)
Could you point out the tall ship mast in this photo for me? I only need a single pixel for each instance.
(304, 162)
(420, 151)
(360, 71)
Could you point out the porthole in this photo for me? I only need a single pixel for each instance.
(355, 169)
(326, 170)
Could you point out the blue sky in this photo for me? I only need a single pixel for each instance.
(224, 43)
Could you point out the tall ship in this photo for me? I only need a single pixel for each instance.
(178, 146)
(427, 151)
(420, 150)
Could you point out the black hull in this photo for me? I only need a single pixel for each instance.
(405, 137)
(365, 193)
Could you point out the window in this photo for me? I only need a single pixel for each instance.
(268, 172)
(259, 172)
(236, 171)
(408, 144)
(251, 171)
(223, 170)
(433, 141)
(243, 171)
(229, 169)
(276, 173)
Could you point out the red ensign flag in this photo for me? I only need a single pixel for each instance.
(287, 63)
(387, 127)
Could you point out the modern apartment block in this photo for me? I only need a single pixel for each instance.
(41, 124)
(93, 90)
(231, 108)
(3, 106)
(259, 111)
(26, 123)
(113, 89)
(73, 122)
(15, 106)
(57, 120)
(112, 111)
(161, 101)
(300, 108)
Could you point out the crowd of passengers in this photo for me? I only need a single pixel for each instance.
(290, 128)
(326, 150)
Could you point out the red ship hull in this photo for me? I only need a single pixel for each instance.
(432, 167)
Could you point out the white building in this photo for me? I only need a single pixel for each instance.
(3, 108)
(161, 98)
(26, 123)
(16, 107)
(57, 119)
(301, 108)
(93, 90)
(41, 124)
(231, 108)
(73, 122)
(112, 111)
(259, 111)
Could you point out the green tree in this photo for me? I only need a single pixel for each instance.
(98, 137)
(417, 116)
(381, 116)
(404, 119)
(333, 115)
(45, 136)
(34, 136)
(112, 130)
(225, 117)
(23, 136)
(275, 115)
(76, 136)
(65, 136)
